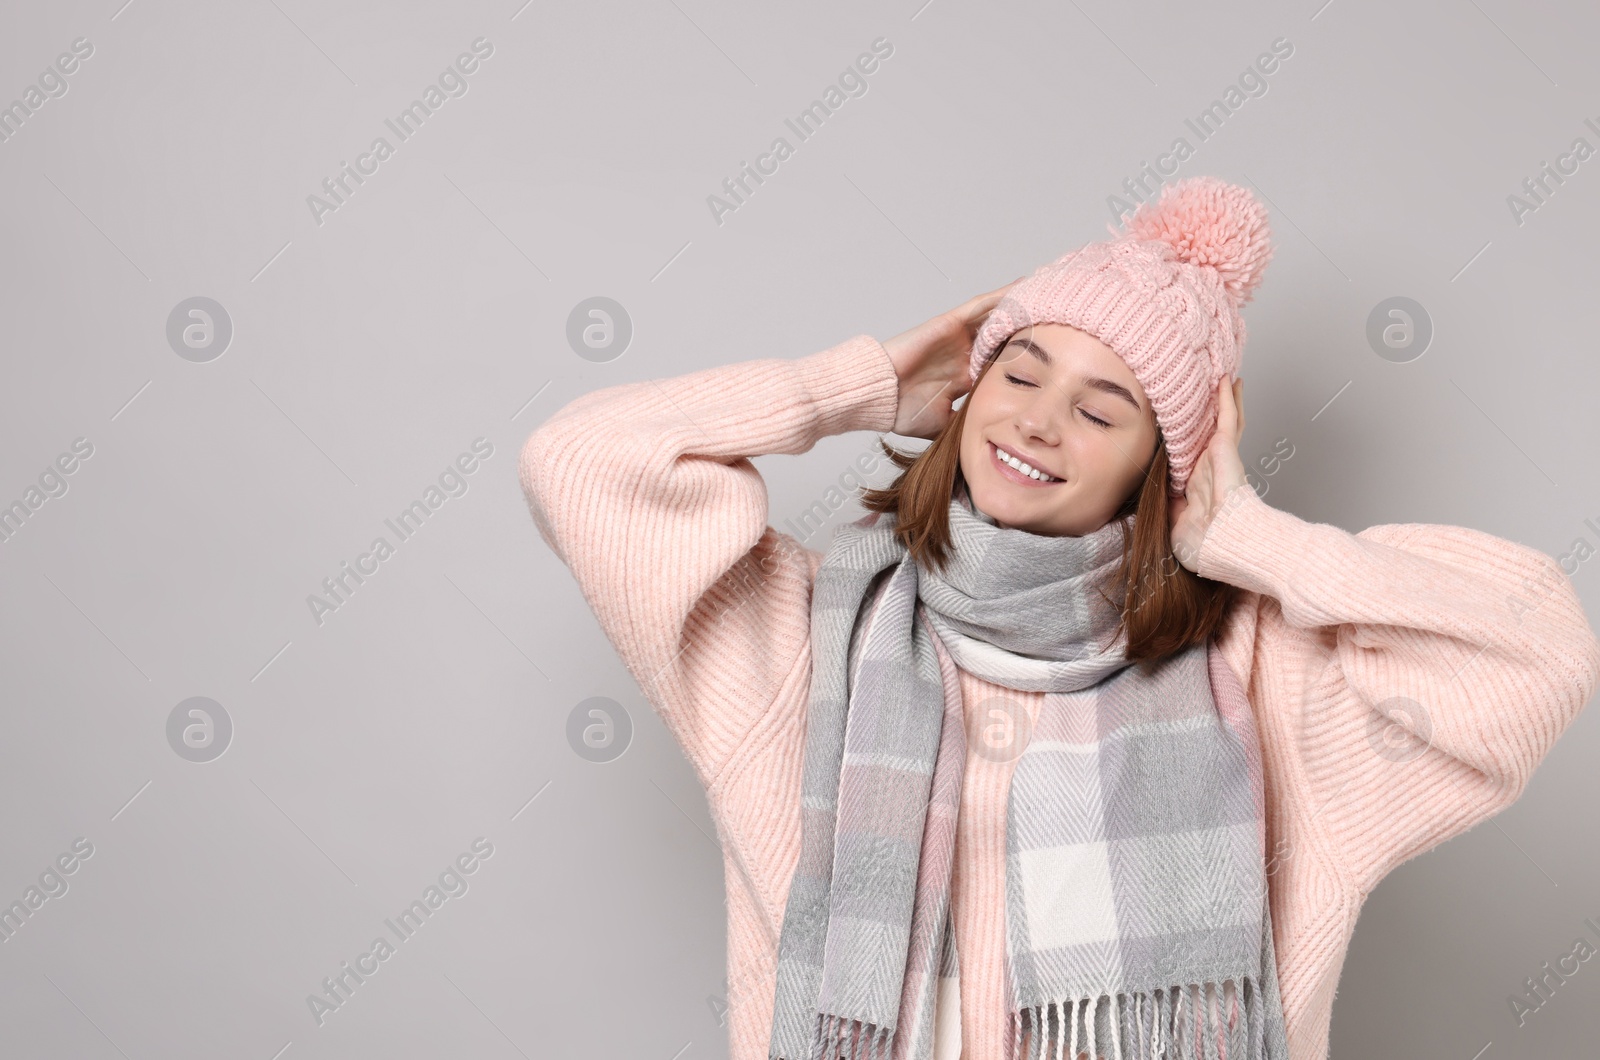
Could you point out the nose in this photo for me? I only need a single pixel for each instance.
(1039, 418)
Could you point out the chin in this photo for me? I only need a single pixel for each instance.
(1011, 511)
(1002, 504)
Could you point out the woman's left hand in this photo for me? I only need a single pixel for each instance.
(1217, 472)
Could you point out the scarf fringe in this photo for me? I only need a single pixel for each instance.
(839, 1038)
(1192, 1021)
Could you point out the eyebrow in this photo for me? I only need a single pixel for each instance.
(1104, 385)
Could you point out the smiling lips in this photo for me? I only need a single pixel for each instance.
(1018, 470)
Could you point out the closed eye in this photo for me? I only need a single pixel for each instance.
(1096, 420)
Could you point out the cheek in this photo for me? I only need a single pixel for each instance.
(988, 408)
(1101, 456)
(980, 414)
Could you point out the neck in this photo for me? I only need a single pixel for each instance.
(966, 497)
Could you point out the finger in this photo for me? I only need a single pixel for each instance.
(973, 312)
(989, 299)
(1227, 410)
(1238, 403)
(981, 306)
(996, 294)
(970, 314)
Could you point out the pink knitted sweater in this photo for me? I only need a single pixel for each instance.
(646, 492)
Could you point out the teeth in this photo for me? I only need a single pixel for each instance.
(1031, 472)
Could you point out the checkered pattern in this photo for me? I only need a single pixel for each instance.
(1136, 891)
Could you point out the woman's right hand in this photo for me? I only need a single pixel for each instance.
(931, 361)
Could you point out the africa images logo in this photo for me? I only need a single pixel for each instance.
(452, 84)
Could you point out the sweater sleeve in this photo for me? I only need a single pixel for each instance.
(1476, 647)
(646, 492)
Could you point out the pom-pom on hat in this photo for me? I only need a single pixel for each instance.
(1165, 294)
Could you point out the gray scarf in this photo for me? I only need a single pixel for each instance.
(1136, 899)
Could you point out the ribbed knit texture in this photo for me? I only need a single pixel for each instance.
(1165, 296)
(646, 492)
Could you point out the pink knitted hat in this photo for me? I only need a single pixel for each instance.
(1165, 295)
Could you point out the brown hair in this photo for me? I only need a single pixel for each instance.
(1166, 608)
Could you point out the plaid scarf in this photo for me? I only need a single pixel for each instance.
(1136, 899)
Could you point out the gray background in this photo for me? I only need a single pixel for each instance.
(370, 350)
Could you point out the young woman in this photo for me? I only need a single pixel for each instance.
(1073, 746)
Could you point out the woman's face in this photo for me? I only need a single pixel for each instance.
(1039, 403)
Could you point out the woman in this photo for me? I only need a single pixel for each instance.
(1072, 746)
